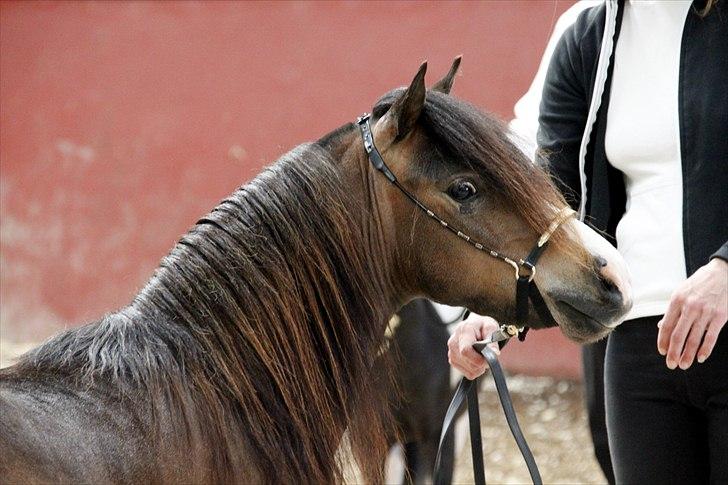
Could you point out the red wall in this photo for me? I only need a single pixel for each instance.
(121, 123)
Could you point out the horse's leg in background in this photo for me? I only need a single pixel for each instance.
(413, 463)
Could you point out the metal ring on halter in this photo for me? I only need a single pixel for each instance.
(521, 264)
(525, 264)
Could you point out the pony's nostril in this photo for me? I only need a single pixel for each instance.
(599, 262)
(608, 284)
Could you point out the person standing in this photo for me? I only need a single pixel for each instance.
(633, 124)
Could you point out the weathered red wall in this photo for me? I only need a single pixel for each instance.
(121, 123)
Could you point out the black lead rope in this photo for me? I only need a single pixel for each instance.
(469, 389)
(525, 290)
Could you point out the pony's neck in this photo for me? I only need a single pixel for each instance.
(285, 287)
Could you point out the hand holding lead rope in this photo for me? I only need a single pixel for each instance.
(461, 352)
(469, 389)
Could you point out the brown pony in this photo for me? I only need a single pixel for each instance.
(249, 353)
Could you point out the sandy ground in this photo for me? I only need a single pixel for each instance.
(9, 351)
(551, 414)
(553, 419)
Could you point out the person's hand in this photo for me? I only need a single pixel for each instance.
(460, 352)
(697, 312)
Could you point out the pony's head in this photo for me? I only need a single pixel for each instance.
(462, 166)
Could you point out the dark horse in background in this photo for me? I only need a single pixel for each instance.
(249, 355)
(417, 336)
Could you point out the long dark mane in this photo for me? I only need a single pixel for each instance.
(263, 320)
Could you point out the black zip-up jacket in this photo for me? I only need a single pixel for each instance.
(573, 120)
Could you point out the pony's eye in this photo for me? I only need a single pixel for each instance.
(461, 190)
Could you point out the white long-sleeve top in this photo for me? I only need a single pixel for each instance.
(643, 141)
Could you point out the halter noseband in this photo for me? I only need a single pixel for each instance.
(525, 269)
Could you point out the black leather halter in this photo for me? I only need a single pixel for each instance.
(526, 289)
(525, 269)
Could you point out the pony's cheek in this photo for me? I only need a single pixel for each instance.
(478, 205)
(467, 209)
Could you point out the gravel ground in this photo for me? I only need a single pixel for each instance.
(551, 414)
(9, 351)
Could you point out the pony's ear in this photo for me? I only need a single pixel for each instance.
(445, 84)
(401, 117)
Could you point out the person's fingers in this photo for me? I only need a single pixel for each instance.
(478, 371)
(474, 329)
(466, 368)
(465, 347)
(695, 336)
(453, 356)
(461, 354)
(667, 324)
(462, 367)
(711, 336)
(688, 316)
(465, 363)
(487, 325)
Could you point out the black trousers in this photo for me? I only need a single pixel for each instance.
(665, 426)
(592, 359)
